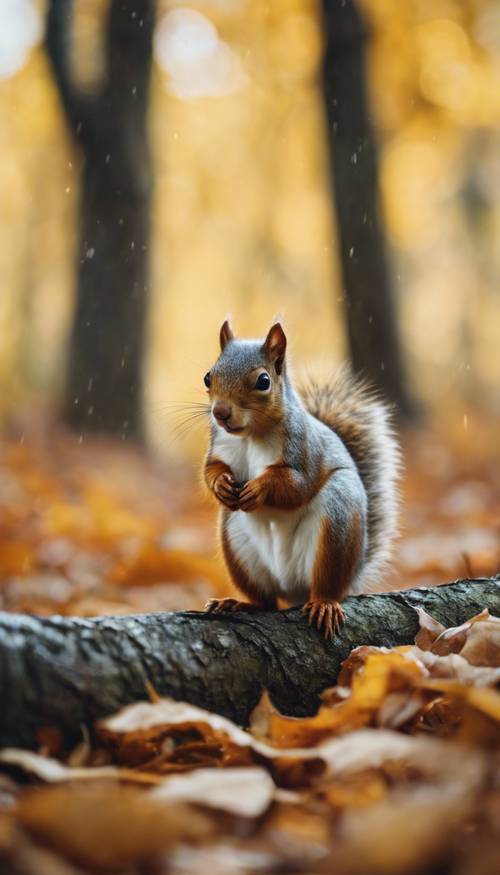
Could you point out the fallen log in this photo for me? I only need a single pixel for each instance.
(68, 671)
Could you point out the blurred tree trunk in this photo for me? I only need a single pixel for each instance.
(369, 299)
(104, 379)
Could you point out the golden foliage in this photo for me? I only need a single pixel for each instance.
(242, 220)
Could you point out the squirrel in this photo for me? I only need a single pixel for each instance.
(306, 480)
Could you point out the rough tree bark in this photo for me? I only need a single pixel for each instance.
(369, 300)
(104, 380)
(65, 672)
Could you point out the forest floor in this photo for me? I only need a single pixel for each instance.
(398, 773)
(91, 527)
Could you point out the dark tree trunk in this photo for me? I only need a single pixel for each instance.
(104, 382)
(368, 293)
(65, 672)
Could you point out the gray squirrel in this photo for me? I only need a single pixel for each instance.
(307, 481)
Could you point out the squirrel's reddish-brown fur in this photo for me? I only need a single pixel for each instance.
(357, 413)
(306, 480)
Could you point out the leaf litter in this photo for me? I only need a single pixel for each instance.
(91, 528)
(397, 773)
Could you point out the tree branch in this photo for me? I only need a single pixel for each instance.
(65, 671)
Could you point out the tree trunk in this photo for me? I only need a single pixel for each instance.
(65, 671)
(368, 293)
(104, 381)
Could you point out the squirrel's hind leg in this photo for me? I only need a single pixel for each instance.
(337, 558)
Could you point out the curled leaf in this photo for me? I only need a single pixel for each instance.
(247, 792)
(429, 630)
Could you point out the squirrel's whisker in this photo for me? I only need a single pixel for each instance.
(172, 407)
(190, 419)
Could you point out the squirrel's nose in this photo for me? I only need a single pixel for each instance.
(222, 411)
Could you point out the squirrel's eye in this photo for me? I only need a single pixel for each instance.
(263, 382)
(207, 380)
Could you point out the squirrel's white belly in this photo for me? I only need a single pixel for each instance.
(276, 547)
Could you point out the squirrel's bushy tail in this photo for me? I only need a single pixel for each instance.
(352, 409)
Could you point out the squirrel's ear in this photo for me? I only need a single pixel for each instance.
(275, 346)
(226, 334)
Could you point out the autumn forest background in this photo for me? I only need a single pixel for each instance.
(338, 167)
(165, 164)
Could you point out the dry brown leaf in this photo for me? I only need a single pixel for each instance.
(168, 712)
(53, 772)
(372, 748)
(247, 792)
(405, 832)
(374, 673)
(454, 665)
(475, 712)
(354, 663)
(51, 740)
(106, 826)
(174, 736)
(299, 834)
(355, 750)
(358, 790)
(452, 640)
(429, 630)
(482, 646)
(400, 708)
(299, 732)
(28, 858)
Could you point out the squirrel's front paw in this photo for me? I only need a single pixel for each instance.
(252, 496)
(226, 490)
(326, 614)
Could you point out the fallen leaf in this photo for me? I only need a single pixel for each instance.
(397, 709)
(169, 735)
(247, 792)
(107, 826)
(52, 771)
(405, 832)
(454, 665)
(452, 640)
(482, 646)
(429, 630)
